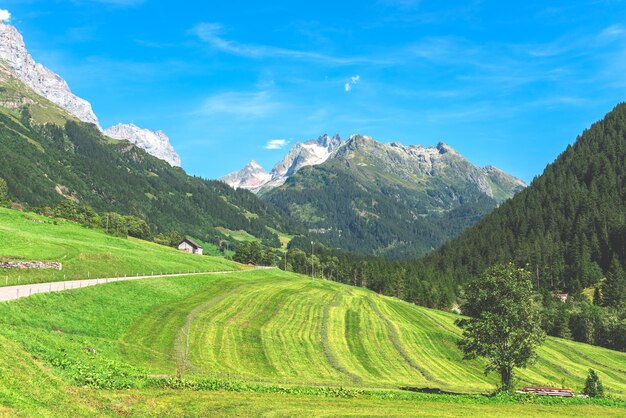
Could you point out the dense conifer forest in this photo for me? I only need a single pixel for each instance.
(569, 229)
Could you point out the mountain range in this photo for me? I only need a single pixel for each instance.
(50, 85)
(303, 154)
(49, 156)
(372, 198)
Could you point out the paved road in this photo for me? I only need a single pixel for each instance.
(16, 292)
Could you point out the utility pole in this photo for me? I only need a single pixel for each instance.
(312, 265)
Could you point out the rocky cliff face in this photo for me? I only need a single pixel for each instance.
(420, 165)
(54, 88)
(155, 143)
(43, 81)
(303, 154)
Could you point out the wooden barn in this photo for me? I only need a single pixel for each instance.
(190, 246)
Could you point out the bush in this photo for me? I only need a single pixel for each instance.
(593, 385)
(4, 191)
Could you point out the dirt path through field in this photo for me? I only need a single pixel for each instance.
(20, 291)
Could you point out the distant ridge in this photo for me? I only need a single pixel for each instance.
(390, 199)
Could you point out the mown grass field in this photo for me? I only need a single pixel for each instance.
(86, 252)
(260, 342)
(270, 329)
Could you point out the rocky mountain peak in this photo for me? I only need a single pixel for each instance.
(328, 141)
(302, 154)
(39, 78)
(254, 165)
(251, 177)
(155, 143)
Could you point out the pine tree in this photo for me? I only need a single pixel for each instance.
(597, 296)
(3, 191)
(614, 285)
(593, 385)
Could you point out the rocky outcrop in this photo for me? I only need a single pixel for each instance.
(155, 143)
(31, 265)
(420, 165)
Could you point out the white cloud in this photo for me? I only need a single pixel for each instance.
(5, 15)
(353, 81)
(275, 144)
(244, 104)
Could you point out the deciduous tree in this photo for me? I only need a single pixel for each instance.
(504, 324)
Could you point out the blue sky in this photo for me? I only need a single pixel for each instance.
(505, 83)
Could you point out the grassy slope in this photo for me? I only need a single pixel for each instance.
(86, 251)
(264, 326)
(257, 326)
(277, 327)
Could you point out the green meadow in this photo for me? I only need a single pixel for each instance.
(256, 342)
(86, 252)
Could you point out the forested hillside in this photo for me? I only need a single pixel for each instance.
(47, 157)
(391, 200)
(568, 226)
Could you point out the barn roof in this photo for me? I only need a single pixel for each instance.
(191, 242)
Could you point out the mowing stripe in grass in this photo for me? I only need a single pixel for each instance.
(329, 351)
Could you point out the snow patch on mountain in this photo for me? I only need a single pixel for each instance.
(302, 154)
(251, 177)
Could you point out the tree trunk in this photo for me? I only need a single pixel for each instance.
(506, 375)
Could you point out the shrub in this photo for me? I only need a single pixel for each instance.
(593, 385)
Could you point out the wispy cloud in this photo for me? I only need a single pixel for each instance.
(353, 81)
(401, 4)
(212, 34)
(244, 104)
(5, 15)
(275, 144)
(613, 31)
(120, 3)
